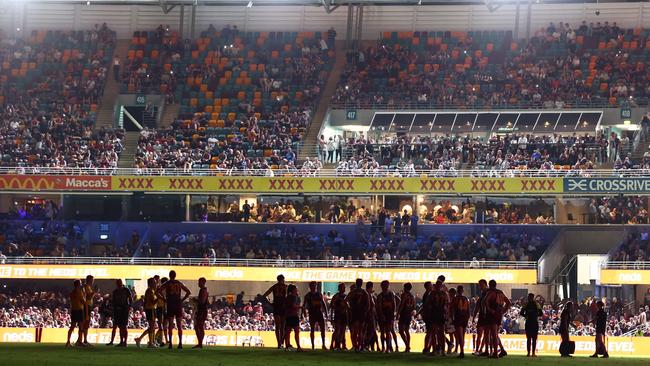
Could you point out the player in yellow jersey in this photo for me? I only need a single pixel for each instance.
(89, 293)
(150, 302)
(77, 304)
(161, 334)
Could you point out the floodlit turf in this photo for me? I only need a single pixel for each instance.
(57, 355)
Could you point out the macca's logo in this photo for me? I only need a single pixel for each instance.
(90, 183)
(36, 182)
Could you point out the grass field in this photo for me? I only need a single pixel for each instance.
(57, 355)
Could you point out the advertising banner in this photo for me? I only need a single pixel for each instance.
(607, 185)
(282, 185)
(55, 183)
(624, 276)
(136, 272)
(514, 343)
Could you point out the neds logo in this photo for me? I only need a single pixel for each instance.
(23, 337)
(629, 277)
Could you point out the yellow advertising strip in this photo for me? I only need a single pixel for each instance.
(416, 185)
(420, 185)
(469, 275)
(514, 344)
(624, 276)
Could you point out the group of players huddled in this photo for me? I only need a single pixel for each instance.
(446, 313)
(163, 304)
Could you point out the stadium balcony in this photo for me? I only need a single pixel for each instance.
(463, 245)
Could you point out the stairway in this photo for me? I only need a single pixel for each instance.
(640, 149)
(310, 139)
(169, 115)
(130, 143)
(112, 89)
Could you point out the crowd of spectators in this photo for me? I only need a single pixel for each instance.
(50, 98)
(46, 238)
(146, 73)
(392, 242)
(249, 109)
(619, 210)
(558, 67)
(341, 211)
(50, 309)
(263, 147)
(405, 155)
(635, 248)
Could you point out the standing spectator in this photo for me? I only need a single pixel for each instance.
(330, 150)
(246, 211)
(331, 36)
(645, 125)
(338, 145)
(322, 148)
(614, 142)
(414, 225)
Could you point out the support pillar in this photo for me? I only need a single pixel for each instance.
(359, 33)
(193, 22)
(187, 207)
(517, 13)
(181, 22)
(528, 16)
(348, 34)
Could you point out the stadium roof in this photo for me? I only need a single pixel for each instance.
(325, 3)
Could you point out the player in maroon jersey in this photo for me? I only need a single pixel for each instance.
(315, 307)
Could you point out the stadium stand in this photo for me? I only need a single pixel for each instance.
(488, 244)
(246, 101)
(560, 67)
(153, 63)
(633, 249)
(51, 84)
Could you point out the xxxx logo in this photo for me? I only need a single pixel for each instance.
(135, 183)
(285, 184)
(386, 185)
(336, 184)
(488, 185)
(537, 185)
(437, 185)
(185, 183)
(231, 184)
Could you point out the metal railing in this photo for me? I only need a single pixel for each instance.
(331, 173)
(279, 263)
(634, 265)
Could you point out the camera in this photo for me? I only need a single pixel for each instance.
(597, 12)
